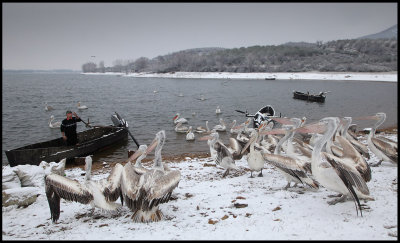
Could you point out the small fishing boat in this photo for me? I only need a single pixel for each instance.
(95, 139)
(264, 114)
(310, 97)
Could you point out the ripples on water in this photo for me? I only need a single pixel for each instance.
(25, 121)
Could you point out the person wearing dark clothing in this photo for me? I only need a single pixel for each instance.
(68, 128)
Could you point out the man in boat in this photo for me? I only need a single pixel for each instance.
(68, 128)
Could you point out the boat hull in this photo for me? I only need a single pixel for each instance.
(90, 141)
(308, 97)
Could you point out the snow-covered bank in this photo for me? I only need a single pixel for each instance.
(383, 77)
(205, 210)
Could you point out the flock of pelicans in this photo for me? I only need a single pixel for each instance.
(325, 153)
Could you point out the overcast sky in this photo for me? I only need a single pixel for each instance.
(67, 35)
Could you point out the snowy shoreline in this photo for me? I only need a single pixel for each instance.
(351, 76)
(205, 209)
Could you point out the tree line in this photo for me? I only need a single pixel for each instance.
(352, 55)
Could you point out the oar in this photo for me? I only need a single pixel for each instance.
(87, 124)
(241, 111)
(137, 144)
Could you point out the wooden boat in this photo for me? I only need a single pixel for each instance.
(310, 97)
(270, 78)
(92, 140)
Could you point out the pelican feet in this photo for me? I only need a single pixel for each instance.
(225, 173)
(260, 175)
(337, 195)
(340, 199)
(287, 186)
(147, 216)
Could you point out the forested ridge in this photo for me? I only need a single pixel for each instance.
(352, 55)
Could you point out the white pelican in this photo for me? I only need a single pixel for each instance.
(293, 169)
(218, 110)
(48, 107)
(190, 134)
(178, 119)
(181, 129)
(52, 124)
(334, 174)
(81, 107)
(220, 153)
(152, 188)
(255, 159)
(220, 127)
(88, 192)
(201, 129)
(234, 129)
(383, 149)
(357, 144)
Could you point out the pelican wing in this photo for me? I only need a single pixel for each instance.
(386, 148)
(287, 165)
(349, 174)
(222, 151)
(305, 151)
(360, 148)
(391, 142)
(353, 155)
(57, 187)
(68, 189)
(113, 186)
(158, 187)
(130, 186)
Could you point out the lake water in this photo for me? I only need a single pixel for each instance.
(25, 120)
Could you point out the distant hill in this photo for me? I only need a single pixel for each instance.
(388, 33)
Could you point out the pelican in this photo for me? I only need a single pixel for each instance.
(201, 129)
(81, 107)
(178, 119)
(293, 169)
(234, 129)
(48, 107)
(54, 124)
(335, 174)
(357, 144)
(190, 134)
(218, 110)
(181, 129)
(143, 193)
(220, 127)
(384, 150)
(220, 153)
(255, 159)
(88, 192)
(113, 189)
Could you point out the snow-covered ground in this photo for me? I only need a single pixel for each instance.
(383, 77)
(205, 210)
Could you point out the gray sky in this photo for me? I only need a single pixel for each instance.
(67, 35)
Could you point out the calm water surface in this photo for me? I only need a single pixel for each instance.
(25, 121)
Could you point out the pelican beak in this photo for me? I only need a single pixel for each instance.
(152, 146)
(135, 155)
(366, 118)
(274, 131)
(175, 117)
(237, 127)
(251, 140)
(284, 121)
(205, 138)
(312, 128)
